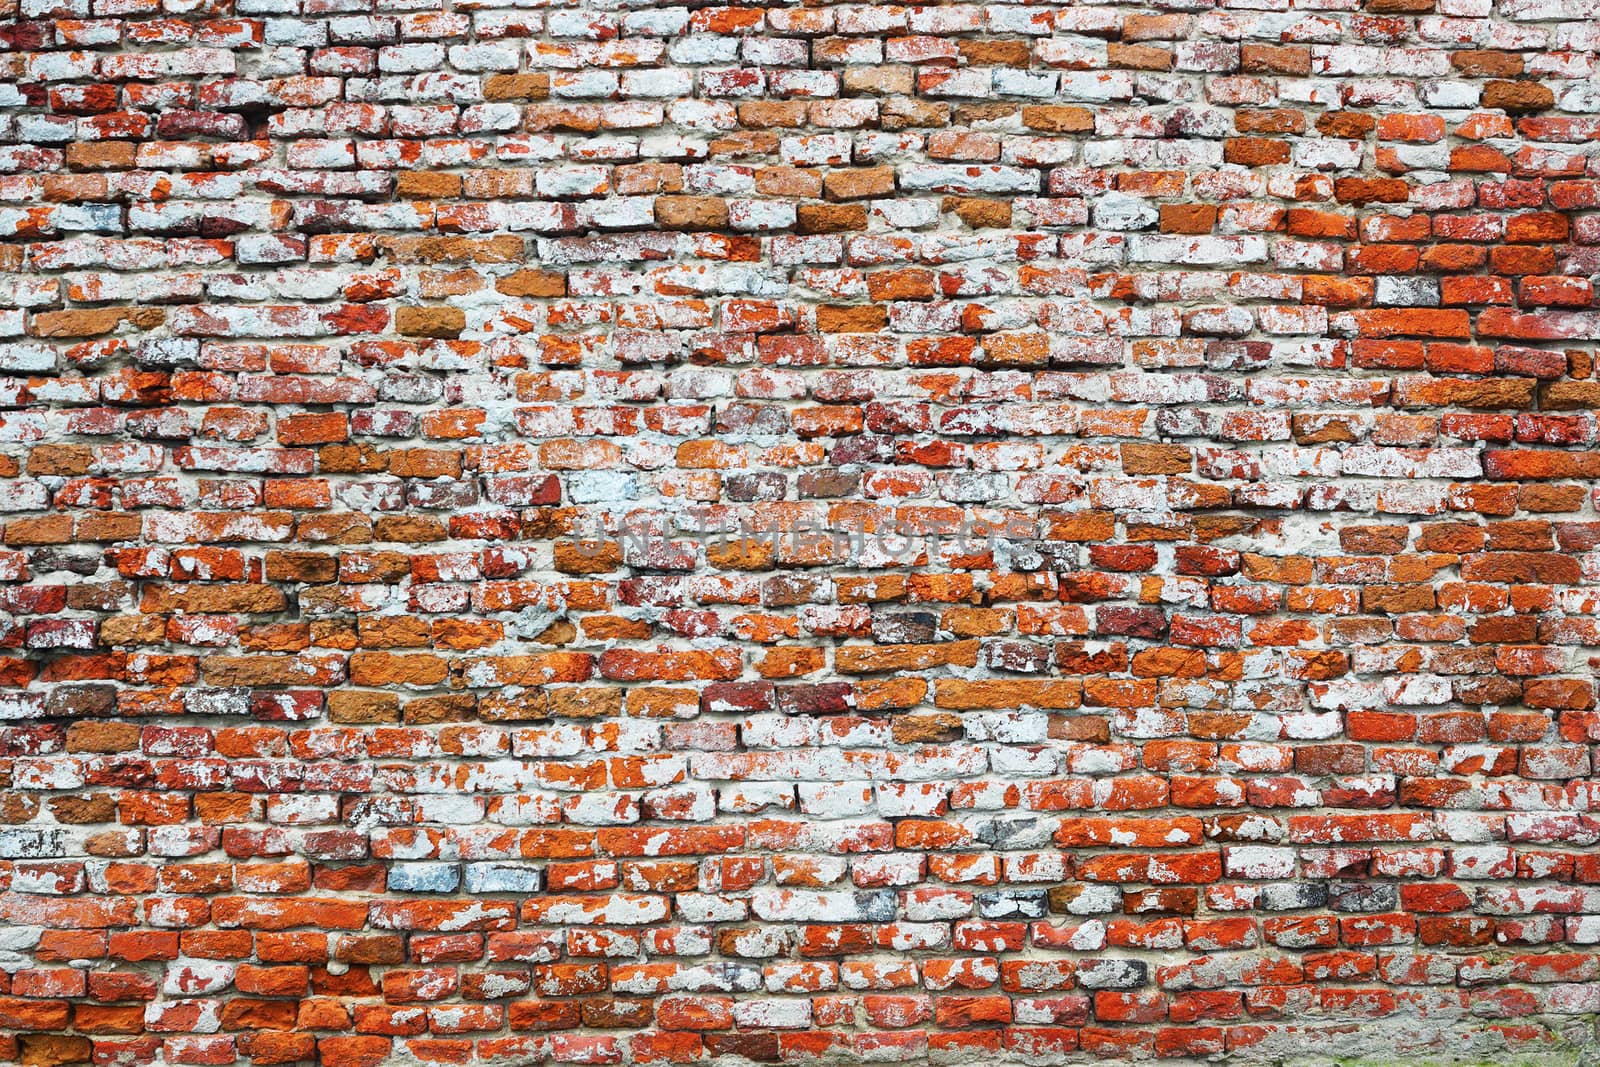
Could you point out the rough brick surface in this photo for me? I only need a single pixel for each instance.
(632, 534)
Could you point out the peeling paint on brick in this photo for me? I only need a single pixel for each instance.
(593, 533)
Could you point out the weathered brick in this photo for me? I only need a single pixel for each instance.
(595, 533)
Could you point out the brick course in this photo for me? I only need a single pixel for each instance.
(641, 534)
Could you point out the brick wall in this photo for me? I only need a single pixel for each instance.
(798, 533)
